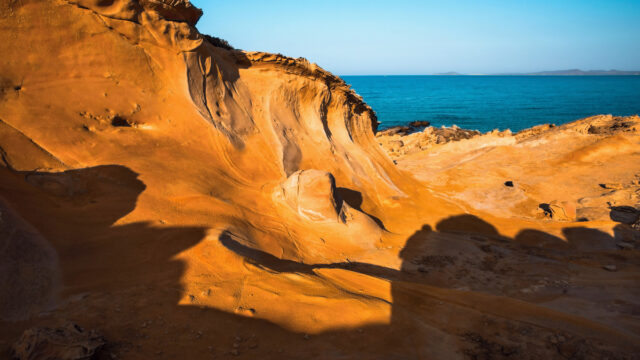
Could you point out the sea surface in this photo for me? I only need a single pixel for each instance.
(496, 102)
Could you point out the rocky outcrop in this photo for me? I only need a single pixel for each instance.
(200, 201)
(405, 140)
(312, 194)
(262, 117)
(530, 161)
(412, 127)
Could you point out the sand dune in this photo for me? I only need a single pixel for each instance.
(190, 201)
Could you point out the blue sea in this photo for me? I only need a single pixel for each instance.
(496, 102)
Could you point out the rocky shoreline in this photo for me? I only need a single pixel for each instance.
(583, 145)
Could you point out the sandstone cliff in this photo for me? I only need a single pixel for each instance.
(190, 201)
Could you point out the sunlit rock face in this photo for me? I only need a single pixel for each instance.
(194, 201)
(311, 194)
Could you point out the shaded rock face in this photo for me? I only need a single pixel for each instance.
(69, 342)
(625, 214)
(413, 127)
(29, 270)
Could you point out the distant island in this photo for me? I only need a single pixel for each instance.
(571, 72)
(450, 73)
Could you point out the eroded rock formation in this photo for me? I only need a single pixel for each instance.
(200, 201)
(577, 171)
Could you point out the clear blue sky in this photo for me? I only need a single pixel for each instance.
(356, 37)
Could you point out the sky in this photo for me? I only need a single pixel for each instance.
(413, 37)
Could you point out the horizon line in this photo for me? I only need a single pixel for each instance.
(509, 74)
(561, 72)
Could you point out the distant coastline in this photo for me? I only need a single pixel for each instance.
(571, 72)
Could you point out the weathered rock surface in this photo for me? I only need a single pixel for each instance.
(29, 271)
(204, 202)
(312, 194)
(403, 140)
(558, 170)
(69, 342)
